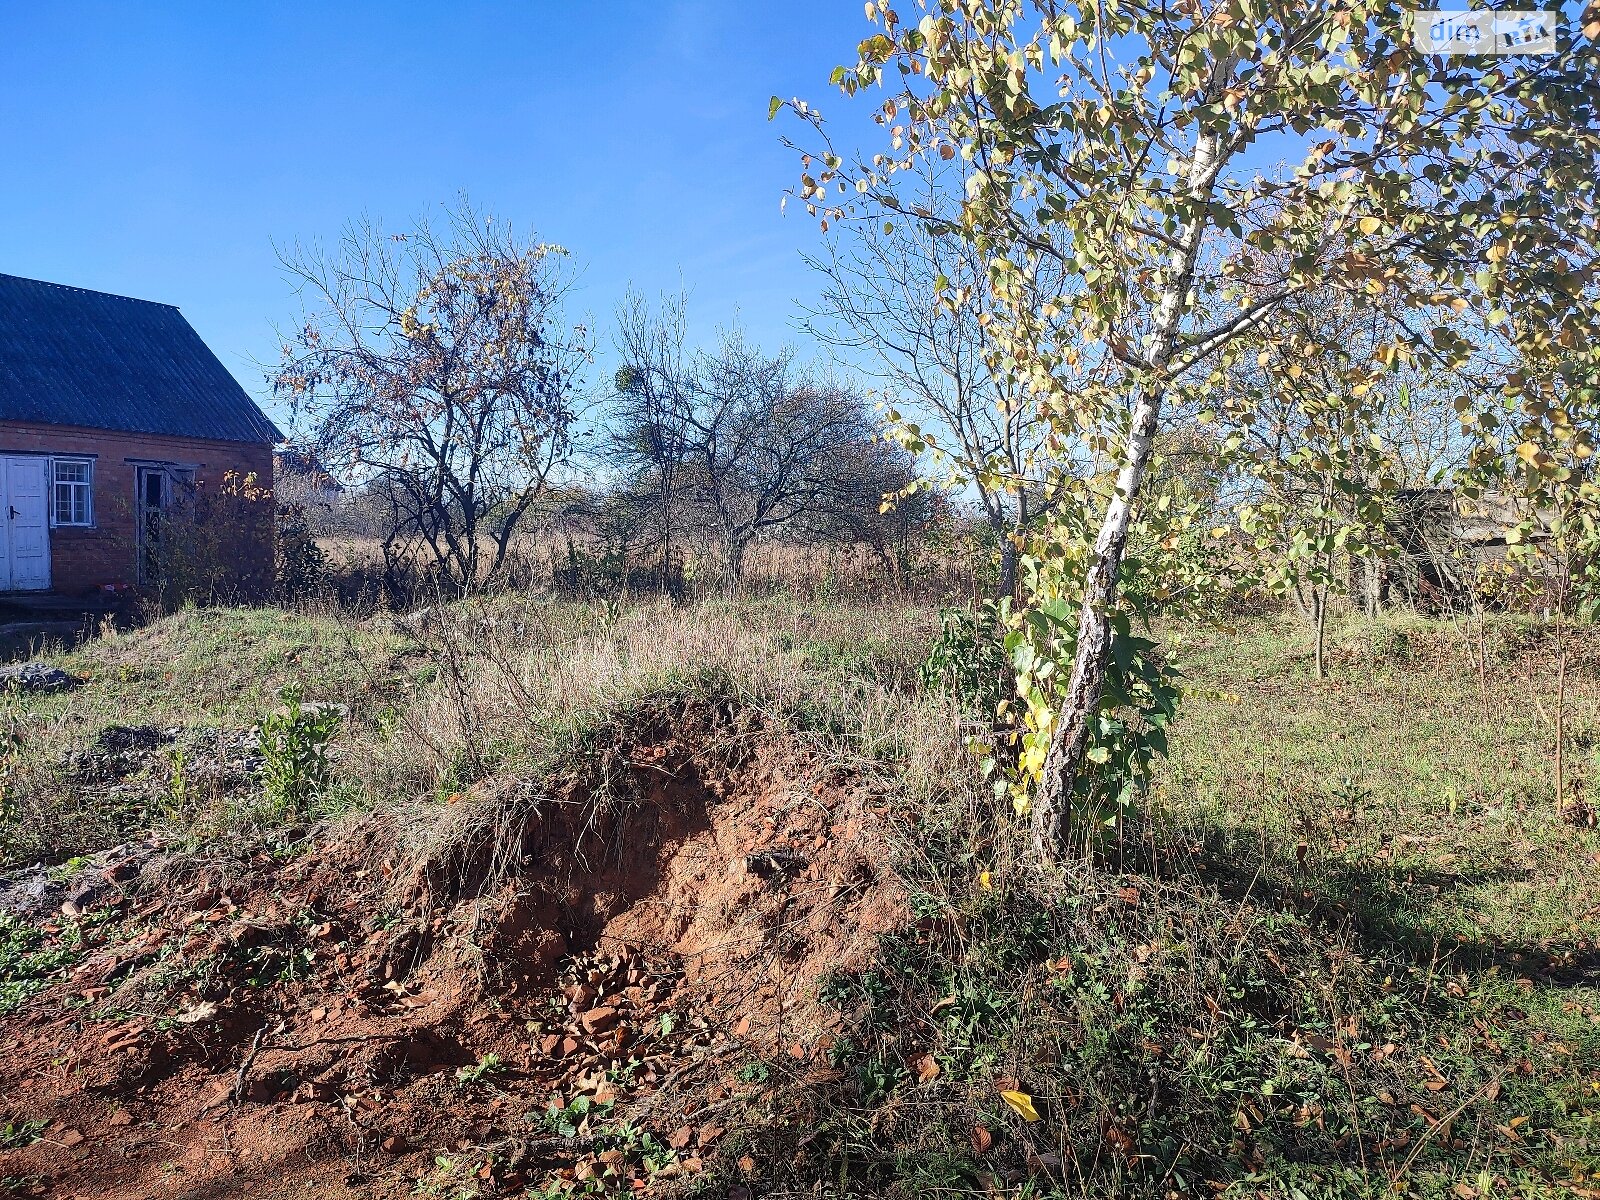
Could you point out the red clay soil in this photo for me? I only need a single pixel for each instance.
(339, 1022)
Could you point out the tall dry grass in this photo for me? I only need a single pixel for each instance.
(583, 569)
(521, 684)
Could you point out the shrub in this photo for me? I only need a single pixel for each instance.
(301, 563)
(294, 751)
(968, 658)
(211, 548)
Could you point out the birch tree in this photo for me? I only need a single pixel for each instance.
(1159, 154)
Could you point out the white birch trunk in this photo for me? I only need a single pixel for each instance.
(1070, 740)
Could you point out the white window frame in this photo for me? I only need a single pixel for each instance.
(87, 484)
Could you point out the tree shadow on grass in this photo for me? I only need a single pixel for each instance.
(1383, 903)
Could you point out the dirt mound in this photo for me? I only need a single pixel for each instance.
(569, 981)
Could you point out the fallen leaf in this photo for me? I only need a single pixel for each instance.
(204, 1011)
(1022, 1104)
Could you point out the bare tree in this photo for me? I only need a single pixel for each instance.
(853, 511)
(649, 419)
(736, 444)
(435, 369)
(911, 296)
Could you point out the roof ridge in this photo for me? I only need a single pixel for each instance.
(67, 287)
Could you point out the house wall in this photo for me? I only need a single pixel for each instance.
(83, 559)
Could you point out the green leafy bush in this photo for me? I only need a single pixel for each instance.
(301, 563)
(968, 657)
(294, 751)
(1138, 702)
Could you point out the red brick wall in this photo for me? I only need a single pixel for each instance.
(84, 559)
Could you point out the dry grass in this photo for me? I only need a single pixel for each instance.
(816, 573)
(521, 684)
(510, 686)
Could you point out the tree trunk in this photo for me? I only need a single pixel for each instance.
(1320, 617)
(1006, 588)
(666, 553)
(666, 535)
(1070, 740)
(1561, 689)
(735, 566)
(1561, 723)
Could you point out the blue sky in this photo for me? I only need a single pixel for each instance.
(158, 149)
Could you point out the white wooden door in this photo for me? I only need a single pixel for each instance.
(5, 528)
(27, 494)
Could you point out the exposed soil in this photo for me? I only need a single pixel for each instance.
(620, 947)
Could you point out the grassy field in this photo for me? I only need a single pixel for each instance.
(1422, 793)
(1413, 794)
(1350, 949)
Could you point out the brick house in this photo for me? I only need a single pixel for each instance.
(128, 454)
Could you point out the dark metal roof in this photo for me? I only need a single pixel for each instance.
(69, 356)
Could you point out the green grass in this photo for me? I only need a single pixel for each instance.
(228, 664)
(1396, 789)
(1359, 959)
(1415, 794)
(197, 669)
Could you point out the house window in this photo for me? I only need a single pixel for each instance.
(72, 493)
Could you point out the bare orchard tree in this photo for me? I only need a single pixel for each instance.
(736, 444)
(436, 370)
(650, 416)
(853, 512)
(889, 293)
